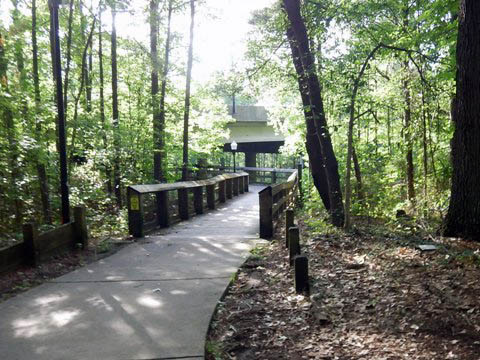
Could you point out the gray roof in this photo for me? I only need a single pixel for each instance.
(249, 113)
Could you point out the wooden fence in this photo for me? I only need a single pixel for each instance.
(173, 202)
(39, 247)
(274, 199)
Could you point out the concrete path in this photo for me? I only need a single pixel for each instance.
(151, 300)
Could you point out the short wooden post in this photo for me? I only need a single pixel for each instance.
(222, 194)
(266, 216)
(80, 226)
(211, 196)
(293, 242)
(289, 222)
(229, 188)
(246, 181)
(198, 199)
(163, 217)
(135, 213)
(235, 186)
(183, 204)
(300, 190)
(30, 235)
(301, 274)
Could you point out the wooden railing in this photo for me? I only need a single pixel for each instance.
(36, 247)
(267, 175)
(173, 202)
(274, 200)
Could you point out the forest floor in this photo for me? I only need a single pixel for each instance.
(373, 295)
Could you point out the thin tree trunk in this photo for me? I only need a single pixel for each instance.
(39, 164)
(83, 78)
(115, 115)
(157, 128)
(408, 140)
(424, 143)
(312, 145)
(108, 171)
(463, 217)
(292, 8)
(12, 138)
(187, 93)
(69, 57)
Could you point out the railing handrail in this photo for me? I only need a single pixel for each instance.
(153, 188)
(267, 169)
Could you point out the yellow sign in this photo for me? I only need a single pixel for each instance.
(134, 202)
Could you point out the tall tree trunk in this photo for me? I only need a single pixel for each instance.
(424, 145)
(62, 143)
(69, 57)
(157, 128)
(115, 115)
(187, 93)
(292, 8)
(12, 138)
(39, 162)
(408, 139)
(108, 171)
(166, 62)
(463, 217)
(312, 144)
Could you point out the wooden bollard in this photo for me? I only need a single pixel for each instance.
(30, 235)
(80, 226)
(288, 224)
(293, 242)
(301, 274)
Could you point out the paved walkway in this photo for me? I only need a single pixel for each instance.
(151, 300)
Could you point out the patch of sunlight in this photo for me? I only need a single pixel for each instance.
(49, 299)
(121, 327)
(179, 292)
(62, 318)
(99, 302)
(114, 278)
(42, 324)
(149, 301)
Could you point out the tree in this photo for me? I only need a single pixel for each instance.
(314, 93)
(187, 93)
(115, 114)
(463, 217)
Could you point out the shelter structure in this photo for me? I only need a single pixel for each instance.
(252, 133)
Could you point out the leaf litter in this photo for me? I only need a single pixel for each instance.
(374, 295)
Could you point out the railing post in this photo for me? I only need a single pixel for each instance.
(211, 196)
(30, 236)
(183, 204)
(229, 188)
(293, 243)
(135, 213)
(222, 197)
(274, 177)
(241, 187)
(266, 220)
(246, 181)
(80, 226)
(163, 218)
(198, 199)
(289, 222)
(235, 186)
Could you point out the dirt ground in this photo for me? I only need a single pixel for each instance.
(374, 295)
